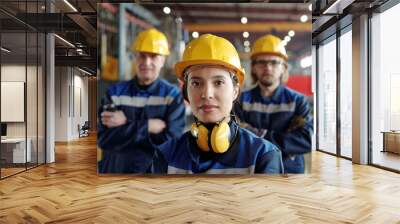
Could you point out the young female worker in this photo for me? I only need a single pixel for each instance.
(216, 144)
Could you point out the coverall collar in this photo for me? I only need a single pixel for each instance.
(275, 94)
(152, 88)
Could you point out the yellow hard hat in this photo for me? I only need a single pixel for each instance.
(151, 41)
(269, 44)
(210, 49)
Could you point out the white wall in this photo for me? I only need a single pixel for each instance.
(13, 73)
(80, 103)
(61, 103)
(33, 126)
(71, 93)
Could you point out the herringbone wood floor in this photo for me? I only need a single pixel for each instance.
(70, 191)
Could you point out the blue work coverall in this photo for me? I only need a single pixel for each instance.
(248, 154)
(129, 148)
(276, 114)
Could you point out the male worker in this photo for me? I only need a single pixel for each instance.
(148, 111)
(273, 111)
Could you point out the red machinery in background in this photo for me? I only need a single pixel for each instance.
(300, 83)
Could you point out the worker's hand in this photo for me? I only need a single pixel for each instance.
(296, 122)
(156, 126)
(113, 119)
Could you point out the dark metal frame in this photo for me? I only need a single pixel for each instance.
(0, 93)
(369, 78)
(37, 164)
(338, 98)
(339, 32)
(316, 97)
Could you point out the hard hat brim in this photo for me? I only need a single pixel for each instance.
(151, 52)
(270, 53)
(181, 66)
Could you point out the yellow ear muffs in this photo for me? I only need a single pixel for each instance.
(220, 137)
(201, 134)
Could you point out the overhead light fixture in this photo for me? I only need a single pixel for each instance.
(195, 34)
(70, 5)
(306, 62)
(287, 38)
(243, 20)
(5, 50)
(304, 18)
(246, 43)
(84, 71)
(291, 33)
(166, 10)
(64, 40)
(247, 49)
(246, 34)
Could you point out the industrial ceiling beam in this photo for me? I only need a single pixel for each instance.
(83, 61)
(48, 22)
(84, 24)
(182, 9)
(250, 27)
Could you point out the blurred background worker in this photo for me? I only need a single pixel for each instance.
(138, 114)
(273, 111)
(212, 77)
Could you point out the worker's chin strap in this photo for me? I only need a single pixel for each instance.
(215, 137)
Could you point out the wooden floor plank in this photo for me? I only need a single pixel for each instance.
(70, 191)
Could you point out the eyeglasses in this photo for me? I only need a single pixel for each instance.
(264, 63)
